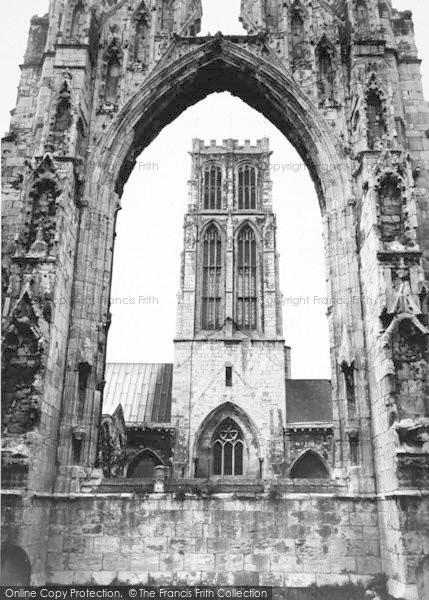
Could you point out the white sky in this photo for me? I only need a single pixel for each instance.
(149, 241)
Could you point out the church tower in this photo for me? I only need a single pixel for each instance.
(228, 399)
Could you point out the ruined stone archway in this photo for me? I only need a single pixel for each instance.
(243, 66)
(193, 69)
(87, 107)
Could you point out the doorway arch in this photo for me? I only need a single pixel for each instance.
(15, 566)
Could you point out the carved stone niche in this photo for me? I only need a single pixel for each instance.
(44, 193)
(63, 118)
(86, 361)
(353, 436)
(410, 357)
(111, 72)
(84, 368)
(21, 368)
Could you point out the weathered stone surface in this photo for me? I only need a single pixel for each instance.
(95, 89)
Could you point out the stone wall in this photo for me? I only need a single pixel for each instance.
(25, 523)
(292, 541)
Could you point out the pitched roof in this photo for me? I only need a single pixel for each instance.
(143, 390)
(308, 401)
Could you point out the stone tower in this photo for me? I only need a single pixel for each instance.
(341, 80)
(229, 349)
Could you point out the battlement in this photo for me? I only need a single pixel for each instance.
(262, 146)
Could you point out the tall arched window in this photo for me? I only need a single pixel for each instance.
(375, 116)
(76, 22)
(246, 279)
(325, 73)
(362, 15)
(212, 188)
(228, 449)
(298, 48)
(247, 187)
(212, 279)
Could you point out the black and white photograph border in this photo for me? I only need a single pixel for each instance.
(215, 307)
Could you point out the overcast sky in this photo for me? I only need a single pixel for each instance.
(149, 241)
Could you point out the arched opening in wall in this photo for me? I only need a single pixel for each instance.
(227, 445)
(150, 239)
(375, 118)
(15, 566)
(143, 465)
(309, 466)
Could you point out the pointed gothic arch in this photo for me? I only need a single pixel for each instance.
(212, 277)
(214, 67)
(309, 465)
(78, 16)
(212, 186)
(217, 64)
(246, 183)
(246, 279)
(142, 466)
(183, 73)
(244, 451)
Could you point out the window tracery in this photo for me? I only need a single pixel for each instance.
(212, 279)
(228, 449)
(246, 279)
